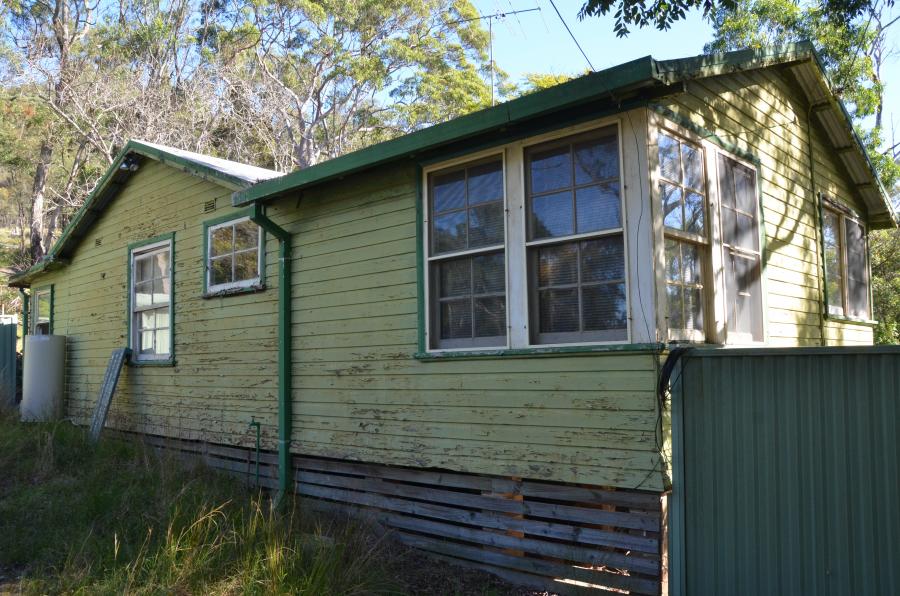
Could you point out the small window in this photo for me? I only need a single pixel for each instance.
(846, 265)
(234, 257)
(742, 256)
(42, 309)
(151, 301)
(467, 263)
(682, 191)
(575, 242)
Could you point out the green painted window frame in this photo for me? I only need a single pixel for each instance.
(233, 216)
(134, 360)
(843, 213)
(35, 292)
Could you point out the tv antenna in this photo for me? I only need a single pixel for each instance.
(490, 19)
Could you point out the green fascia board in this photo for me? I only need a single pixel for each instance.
(573, 93)
(704, 66)
(105, 190)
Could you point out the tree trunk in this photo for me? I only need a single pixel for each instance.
(37, 201)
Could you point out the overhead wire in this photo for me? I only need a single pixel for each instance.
(572, 35)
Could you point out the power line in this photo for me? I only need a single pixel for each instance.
(566, 25)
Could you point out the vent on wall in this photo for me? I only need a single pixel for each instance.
(98, 241)
(209, 206)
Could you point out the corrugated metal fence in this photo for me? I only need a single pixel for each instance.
(8, 365)
(786, 472)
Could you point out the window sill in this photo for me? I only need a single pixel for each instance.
(146, 363)
(530, 352)
(851, 320)
(234, 291)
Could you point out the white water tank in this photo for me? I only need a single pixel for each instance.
(43, 377)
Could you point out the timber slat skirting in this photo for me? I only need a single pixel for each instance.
(571, 539)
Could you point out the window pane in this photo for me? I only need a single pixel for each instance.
(690, 263)
(857, 272)
(246, 265)
(143, 293)
(693, 309)
(490, 274)
(597, 208)
(486, 225)
(162, 341)
(558, 310)
(692, 158)
(162, 317)
(246, 235)
(694, 214)
(557, 265)
(486, 183)
(456, 318)
(161, 265)
(671, 204)
(833, 269)
(148, 319)
(490, 316)
(146, 342)
(596, 160)
(675, 307)
(744, 297)
(604, 307)
(450, 232)
(551, 170)
(552, 215)
(143, 268)
(744, 188)
(220, 271)
(161, 291)
(669, 158)
(726, 181)
(221, 241)
(745, 232)
(449, 191)
(673, 260)
(455, 277)
(603, 259)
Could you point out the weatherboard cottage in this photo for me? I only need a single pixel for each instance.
(464, 327)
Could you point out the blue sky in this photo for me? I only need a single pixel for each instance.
(538, 42)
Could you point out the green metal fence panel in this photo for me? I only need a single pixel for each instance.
(8, 365)
(786, 472)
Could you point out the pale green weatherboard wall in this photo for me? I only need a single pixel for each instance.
(224, 347)
(762, 113)
(359, 393)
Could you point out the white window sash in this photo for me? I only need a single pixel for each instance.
(232, 285)
(164, 246)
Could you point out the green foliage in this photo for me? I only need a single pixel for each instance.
(884, 248)
(117, 518)
(663, 13)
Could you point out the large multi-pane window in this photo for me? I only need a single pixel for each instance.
(528, 247)
(682, 191)
(575, 240)
(151, 301)
(846, 267)
(467, 266)
(739, 202)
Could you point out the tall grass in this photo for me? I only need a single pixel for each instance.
(119, 518)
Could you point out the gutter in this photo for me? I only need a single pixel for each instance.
(284, 348)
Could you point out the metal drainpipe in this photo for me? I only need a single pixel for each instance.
(24, 316)
(284, 348)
